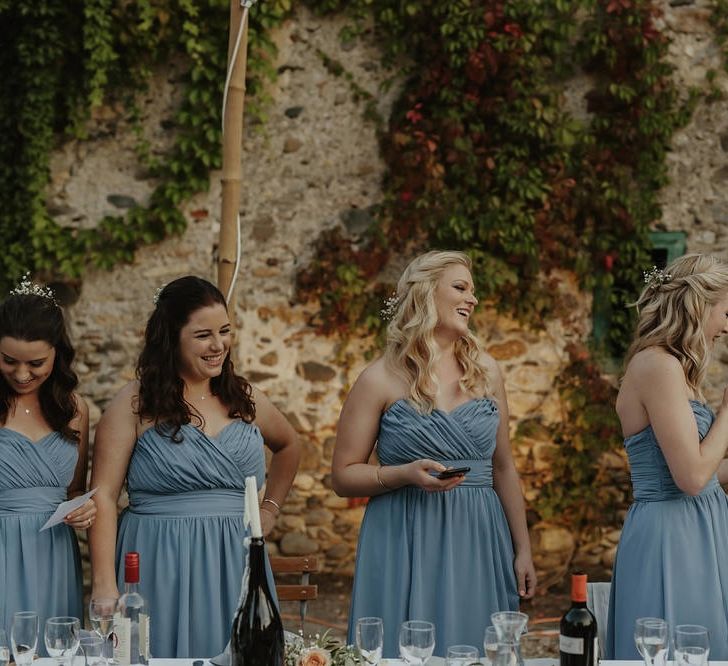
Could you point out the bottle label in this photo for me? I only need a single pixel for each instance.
(122, 644)
(571, 645)
(144, 635)
(596, 650)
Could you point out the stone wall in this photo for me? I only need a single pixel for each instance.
(315, 165)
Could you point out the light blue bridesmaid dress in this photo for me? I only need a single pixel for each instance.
(672, 559)
(443, 557)
(185, 518)
(39, 571)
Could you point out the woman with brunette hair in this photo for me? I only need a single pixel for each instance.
(672, 559)
(185, 435)
(44, 440)
(447, 550)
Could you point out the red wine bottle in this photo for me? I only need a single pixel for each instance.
(578, 641)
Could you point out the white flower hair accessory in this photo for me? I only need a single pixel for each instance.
(26, 287)
(656, 277)
(390, 307)
(158, 293)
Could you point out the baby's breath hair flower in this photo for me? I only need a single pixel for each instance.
(26, 287)
(656, 277)
(390, 307)
(158, 293)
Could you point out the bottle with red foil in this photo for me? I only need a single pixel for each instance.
(131, 621)
(578, 641)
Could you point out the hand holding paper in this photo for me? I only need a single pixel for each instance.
(64, 508)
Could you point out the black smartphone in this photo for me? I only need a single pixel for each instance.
(454, 471)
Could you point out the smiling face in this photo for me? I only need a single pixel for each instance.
(454, 299)
(204, 342)
(24, 364)
(717, 323)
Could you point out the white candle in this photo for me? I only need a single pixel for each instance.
(252, 510)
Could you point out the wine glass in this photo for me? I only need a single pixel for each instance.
(650, 637)
(24, 637)
(369, 633)
(461, 655)
(62, 637)
(91, 648)
(416, 641)
(101, 615)
(4, 648)
(490, 644)
(692, 645)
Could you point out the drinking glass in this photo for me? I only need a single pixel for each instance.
(101, 615)
(91, 649)
(24, 637)
(4, 648)
(461, 655)
(62, 637)
(692, 645)
(416, 641)
(370, 638)
(650, 637)
(490, 644)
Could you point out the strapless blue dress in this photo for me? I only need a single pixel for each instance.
(185, 518)
(672, 559)
(442, 557)
(39, 571)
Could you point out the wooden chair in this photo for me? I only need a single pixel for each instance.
(303, 591)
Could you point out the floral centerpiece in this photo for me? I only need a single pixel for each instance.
(321, 650)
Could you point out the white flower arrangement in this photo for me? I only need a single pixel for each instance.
(321, 650)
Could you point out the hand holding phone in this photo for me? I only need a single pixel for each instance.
(451, 472)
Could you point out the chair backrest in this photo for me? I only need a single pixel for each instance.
(303, 591)
(597, 601)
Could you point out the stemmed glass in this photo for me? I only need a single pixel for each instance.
(24, 637)
(369, 634)
(650, 636)
(4, 648)
(62, 638)
(416, 641)
(692, 645)
(490, 644)
(101, 615)
(461, 655)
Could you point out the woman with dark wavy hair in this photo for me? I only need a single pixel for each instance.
(44, 439)
(185, 435)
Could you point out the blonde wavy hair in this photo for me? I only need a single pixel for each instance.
(674, 310)
(411, 350)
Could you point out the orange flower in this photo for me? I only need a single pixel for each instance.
(314, 657)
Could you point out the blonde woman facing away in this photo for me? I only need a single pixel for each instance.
(672, 560)
(454, 550)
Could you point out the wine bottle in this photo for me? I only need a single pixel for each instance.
(257, 632)
(578, 641)
(131, 621)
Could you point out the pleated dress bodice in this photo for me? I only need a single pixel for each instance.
(39, 570)
(445, 557)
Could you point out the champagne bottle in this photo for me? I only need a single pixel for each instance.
(131, 621)
(257, 632)
(578, 641)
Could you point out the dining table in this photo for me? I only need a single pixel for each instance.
(433, 661)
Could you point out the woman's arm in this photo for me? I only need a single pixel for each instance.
(508, 487)
(281, 439)
(356, 434)
(114, 443)
(658, 382)
(82, 517)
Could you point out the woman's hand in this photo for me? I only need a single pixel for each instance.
(525, 576)
(83, 517)
(267, 519)
(419, 473)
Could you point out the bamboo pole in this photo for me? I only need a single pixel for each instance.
(229, 242)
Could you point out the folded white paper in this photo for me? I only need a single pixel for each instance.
(64, 508)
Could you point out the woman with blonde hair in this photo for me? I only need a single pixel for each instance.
(448, 550)
(672, 560)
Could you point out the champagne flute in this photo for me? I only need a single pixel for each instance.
(490, 644)
(461, 655)
(62, 637)
(650, 637)
(24, 637)
(101, 615)
(370, 638)
(416, 641)
(4, 648)
(692, 645)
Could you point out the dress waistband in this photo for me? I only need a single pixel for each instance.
(42, 499)
(216, 501)
(480, 474)
(646, 493)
